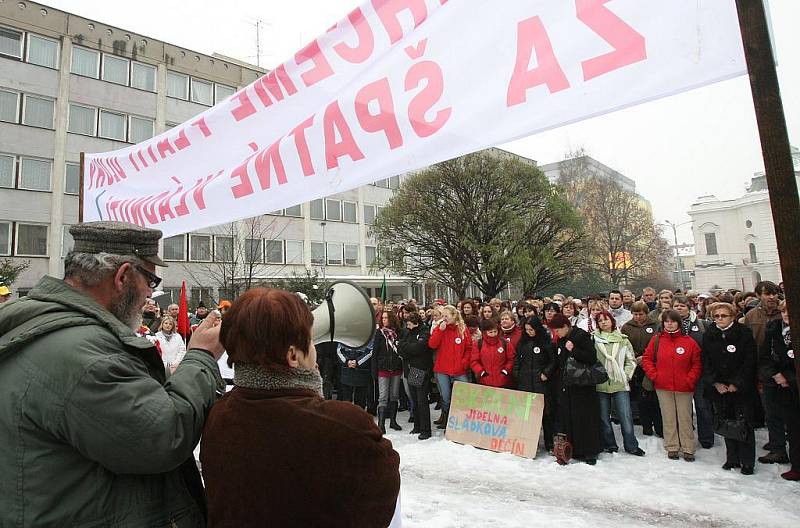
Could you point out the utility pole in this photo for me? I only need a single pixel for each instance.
(325, 250)
(678, 266)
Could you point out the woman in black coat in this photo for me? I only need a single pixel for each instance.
(355, 374)
(413, 348)
(534, 365)
(729, 372)
(579, 405)
(777, 364)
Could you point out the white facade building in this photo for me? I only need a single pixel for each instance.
(735, 239)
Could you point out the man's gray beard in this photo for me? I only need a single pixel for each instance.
(126, 309)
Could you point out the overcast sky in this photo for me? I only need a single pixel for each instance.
(676, 149)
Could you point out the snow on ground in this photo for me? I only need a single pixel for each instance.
(447, 485)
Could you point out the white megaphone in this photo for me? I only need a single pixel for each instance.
(345, 315)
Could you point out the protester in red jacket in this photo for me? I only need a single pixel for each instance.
(509, 328)
(493, 360)
(674, 367)
(453, 345)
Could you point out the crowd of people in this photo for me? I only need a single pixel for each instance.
(687, 367)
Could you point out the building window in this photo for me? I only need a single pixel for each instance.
(9, 106)
(274, 250)
(5, 237)
(7, 166)
(82, 120)
(31, 240)
(115, 69)
(349, 213)
(85, 62)
(394, 182)
(10, 43)
(351, 255)
(317, 253)
(294, 252)
(334, 254)
(72, 179)
(711, 243)
(202, 92)
(317, 209)
(296, 210)
(223, 92)
(254, 251)
(67, 242)
(369, 214)
(371, 255)
(333, 210)
(42, 51)
(223, 248)
(34, 174)
(140, 129)
(177, 85)
(200, 248)
(175, 248)
(753, 254)
(143, 76)
(112, 125)
(38, 111)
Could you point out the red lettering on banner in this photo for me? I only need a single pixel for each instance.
(141, 158)
(322, 68)
(164, 209)
(181, 209)
(415, 52)
(284, 79)
(201, 124)
(164, 147)
(150, 208)
(366, 41)
(244, 187)
(244, 107)
(199, 199)
(532, 36)
(182, 142)
(385, 120)
(136, 211)
(421, 103)
(270, 157)
(301, 144)
(389, 10)
(332, 122)
(133, 161)
(629, 46)
(108, 207)
(152, 154)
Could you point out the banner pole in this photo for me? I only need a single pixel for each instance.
(80, 192)
(775, 149)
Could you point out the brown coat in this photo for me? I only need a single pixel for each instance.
(290, 458)
(756, 320)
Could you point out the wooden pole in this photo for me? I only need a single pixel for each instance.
(776, 151)
(80, 193)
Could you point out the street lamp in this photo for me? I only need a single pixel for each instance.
(324, 250)
(678, 267)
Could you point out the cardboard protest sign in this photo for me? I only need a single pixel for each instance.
(387, 90)
(502, 420)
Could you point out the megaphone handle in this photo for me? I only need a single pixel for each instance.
(331, 309)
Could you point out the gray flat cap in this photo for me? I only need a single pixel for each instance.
(118, 238)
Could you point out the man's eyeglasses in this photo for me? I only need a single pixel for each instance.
(153, 280)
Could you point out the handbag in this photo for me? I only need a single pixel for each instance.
(578, 374)
(416, 376)
(732, 428)
(647, 383)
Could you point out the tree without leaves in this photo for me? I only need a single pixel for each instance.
(479, 219)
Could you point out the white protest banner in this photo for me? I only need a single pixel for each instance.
(401, 84)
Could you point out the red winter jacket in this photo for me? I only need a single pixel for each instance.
(677, 367)
(452, 348)
(496, 355)
(514, 335)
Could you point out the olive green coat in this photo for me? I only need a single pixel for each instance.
(91, 432)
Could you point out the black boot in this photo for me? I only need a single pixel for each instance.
(443, 418)
(382, 419)
(393, 416)
(411, 417)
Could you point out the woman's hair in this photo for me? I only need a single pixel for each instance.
(488, 324)
(571, 303)
(607, 315)
(472, 303)
(640, 306)
(731, 309)
(494, 312)
(782, 306)
(165, 319)
(414, 318)
(507, 313)
(559, 320)
(596, 303)
(457, 319)
(394, 323)
(472, 321)
(671, 315)
(681, 299)
(552, 306)
(535, 323)
(261, 326)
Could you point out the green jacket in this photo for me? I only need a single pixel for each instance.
(91, 432)
(615, 353)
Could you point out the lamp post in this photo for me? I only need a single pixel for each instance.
(324, 250)
(678, 267)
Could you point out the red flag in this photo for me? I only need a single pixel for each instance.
(183, 314)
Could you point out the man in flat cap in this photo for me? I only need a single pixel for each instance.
(91, 431)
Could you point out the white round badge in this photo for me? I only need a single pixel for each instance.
(537, 350)
(731, 348)
(649, 330)
(680, 350)
(500, 350)
(790, 353)
(695, 329)
(458, 340)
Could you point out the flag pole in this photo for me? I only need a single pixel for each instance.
(775, 149)
(80, 192)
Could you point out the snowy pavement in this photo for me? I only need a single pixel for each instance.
(447, 485)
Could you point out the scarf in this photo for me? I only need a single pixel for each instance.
(167, 336)
(615, 359)
(723, 330)
(253, 376)
(787, 335)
